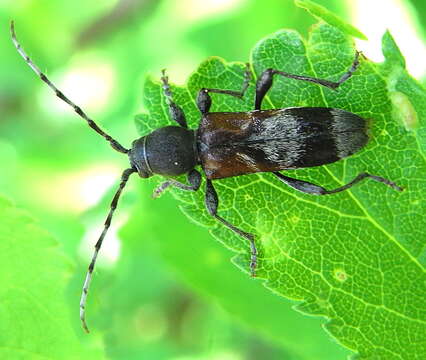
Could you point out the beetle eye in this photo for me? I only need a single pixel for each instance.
(142, 171)
(143, 174)
(137, 157)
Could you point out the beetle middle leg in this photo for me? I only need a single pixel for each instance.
(264, 82)
(204, 101)
(309, 188)
(194, 179)
(175, 110)
(212, 203)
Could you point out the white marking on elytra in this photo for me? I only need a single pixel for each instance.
(248, 160)
(349, 132)
(278, 137)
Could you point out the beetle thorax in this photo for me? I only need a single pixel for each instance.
(166, 151)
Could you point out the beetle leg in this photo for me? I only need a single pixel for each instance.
(204, 100)
(175, 110)
(212, 203)
(309, 188)
(264, 82)
(194, 178)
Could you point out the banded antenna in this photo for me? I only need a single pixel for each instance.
(115, 145)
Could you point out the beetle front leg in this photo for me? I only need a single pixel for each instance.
(194, 179)
(175, 110)
(212, 203)
(204, 101)
(264, 82)
(309, 188)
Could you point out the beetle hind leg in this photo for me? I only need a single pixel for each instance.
(309, 188)
(212, 203)
(204, 101)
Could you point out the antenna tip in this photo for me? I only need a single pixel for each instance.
(85, 328)
(12, 30)
(83, 320)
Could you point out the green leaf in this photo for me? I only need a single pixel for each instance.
(324, 14)
(35, 321)
(356, 257)
(406, 94)
(192, 256)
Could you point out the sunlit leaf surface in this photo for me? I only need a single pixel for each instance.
(357, 257)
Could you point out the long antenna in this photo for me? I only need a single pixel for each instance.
(114, 143)
(124, 178)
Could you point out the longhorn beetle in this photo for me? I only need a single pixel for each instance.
(234, 143)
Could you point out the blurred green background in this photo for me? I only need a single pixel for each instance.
(159, 292)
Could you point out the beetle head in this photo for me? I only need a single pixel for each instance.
(168, 151)
(138, 159)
